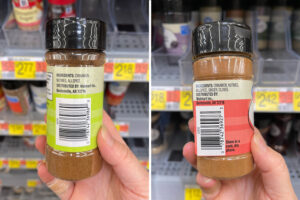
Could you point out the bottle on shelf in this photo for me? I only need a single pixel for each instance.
(235, 10)
(210, 11)
(296, 27)
(28, 14)
(61, 9)
(17, 96)
(281, 12)
(115, 92)
(39, 90)
(262, 10)
(280, 132)
(176, 28)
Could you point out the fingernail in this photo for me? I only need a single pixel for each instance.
(206, 179)
(106, 136)
(260, 142)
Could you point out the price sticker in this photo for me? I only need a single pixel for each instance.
(1, 163)
(14, 164)
(192, 193)
(31, 183)
(39, 129)
(124, 71)
(266, 101)
(25, 69)
(31, 164)
(16, 129)
(117, 127)
(296, 100)
(158, 100)
(186, 102)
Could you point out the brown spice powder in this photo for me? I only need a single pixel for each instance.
(66, 165)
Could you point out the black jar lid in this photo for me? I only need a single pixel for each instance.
(223, 36)
(12, 85)
(76, 33)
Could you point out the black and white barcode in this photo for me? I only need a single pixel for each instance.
(73, 123)
(210, 129)
(23, 3)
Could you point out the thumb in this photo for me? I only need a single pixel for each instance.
(124, 163)
(272, 167)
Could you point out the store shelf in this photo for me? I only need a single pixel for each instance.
(172, 174)
(17, 193)
(21, 178)
(30, 65)
(133, 111)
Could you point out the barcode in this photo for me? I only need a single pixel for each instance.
(73, 118)
(23, 3)
(210, 130)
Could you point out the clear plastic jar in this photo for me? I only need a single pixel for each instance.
(74, 96)
(222, 99)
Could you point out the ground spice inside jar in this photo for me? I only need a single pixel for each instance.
(75, 79)
(222, 98)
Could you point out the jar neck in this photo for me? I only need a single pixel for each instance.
(215, 54)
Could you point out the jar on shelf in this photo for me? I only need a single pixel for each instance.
(28, 14)
(61, 9)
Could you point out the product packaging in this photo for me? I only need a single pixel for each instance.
(39, 93)
(222, 99)
(75, 78)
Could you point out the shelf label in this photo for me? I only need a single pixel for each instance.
(266, 101)
(186, 100)
(122, 128)
(192, 193)
(296, 100)
(0, 69)
(124, 71)
(32, 183)
(16, 129)
(39, 129)
(25, 69)
(31, 164)
(14, 164)
(1, 163)
(158, 100)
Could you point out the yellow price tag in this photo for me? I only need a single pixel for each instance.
(158, 100)
(124, 71)
(31, 164)
(14, 164)
(266, 101)
(16, 129)
(117, 127)
(192, 194)
(39, 129)
(296, 101)
(25, 69)
(32, 183)
(1, 164)
(186, 102)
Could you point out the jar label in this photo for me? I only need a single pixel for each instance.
(176, 38)
(74, 107)
(223, 117)
(28, 14)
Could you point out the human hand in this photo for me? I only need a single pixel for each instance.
(270, 179)
(122, 177)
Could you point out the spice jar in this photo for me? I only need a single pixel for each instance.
(116, 93)
(222, 99)
(210, 11)
(38, 91)
(235, 10)
(17, 96)
(2, 99)
(61, 9)
(28, 14)
(176, 28)
(75, 68)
